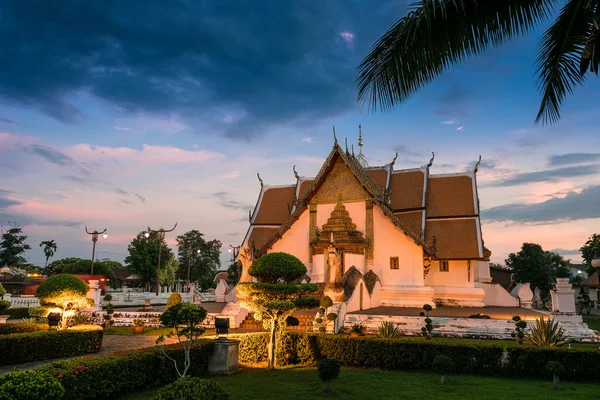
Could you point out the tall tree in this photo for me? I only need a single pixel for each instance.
(204, 257)
(74, 265)
(143, 256)
(49, 247)
(540, 268)
(439, 34)
(168, 271)
(275, 296)
(12, 247)
(589, 251)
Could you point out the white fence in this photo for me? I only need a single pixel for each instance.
(22, 301)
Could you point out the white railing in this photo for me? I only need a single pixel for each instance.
(22, 301)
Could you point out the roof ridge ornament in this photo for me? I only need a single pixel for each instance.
(477, 165)
(335, 142)
(296, 173)
(262, 185)
(394, 160)
(347, 152)
(432, 158)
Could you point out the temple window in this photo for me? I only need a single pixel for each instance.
(394, 263)
(444, 266)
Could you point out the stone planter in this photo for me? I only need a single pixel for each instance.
(137, 330)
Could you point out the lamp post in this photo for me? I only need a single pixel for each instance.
(94, 240)
(161, 236)
(234, 251)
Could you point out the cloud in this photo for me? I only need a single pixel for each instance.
(76, 179)
(518, 131)
(6, 202)
(51, 155)
(460, 128)
(123, 128)
(307, 140)
(226, 200)
(573, 158)
(142, 198)
(149, 154)
(119, 191)
(568, 252)
(449, 122)
(574, 206)
(8, 121)
(454, 103)
(123, 201)
(230, 175)
(199, 60)
(551, 175)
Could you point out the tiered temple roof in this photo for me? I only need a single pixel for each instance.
(423, 205)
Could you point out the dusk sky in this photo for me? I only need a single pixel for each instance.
(123, 116)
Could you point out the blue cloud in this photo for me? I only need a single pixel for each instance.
(265, 62)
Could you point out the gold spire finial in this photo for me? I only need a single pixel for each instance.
(360, 139)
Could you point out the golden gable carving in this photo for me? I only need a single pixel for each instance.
(340, 181)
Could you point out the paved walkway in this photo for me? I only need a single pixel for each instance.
(110, 344)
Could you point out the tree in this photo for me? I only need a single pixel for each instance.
(203, 264)
(66, 292)
(143, 256)
(443, 365)
(74, 265)
(540, 268)
(168, 272)
(185, 319)
(589, 251)
(329, 369)
(12, 247)
(438, 34)
(233, 273)
(49, 247)
(275, 296)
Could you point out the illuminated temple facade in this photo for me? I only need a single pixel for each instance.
(377, 236)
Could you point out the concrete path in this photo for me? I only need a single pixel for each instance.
(110, 344)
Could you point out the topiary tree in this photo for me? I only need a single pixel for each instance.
(27, 385)
(443, 365)
(185, 319)
(174, 298)
(66, 292)
(428, 328)
(275, 296)
(519, 332)
(555, 368)
(329, 369)
(324, 319)
(189, 388)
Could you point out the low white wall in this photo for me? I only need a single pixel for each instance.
(496, 295)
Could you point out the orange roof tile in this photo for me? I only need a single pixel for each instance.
(592, 281)
(450, 196)
(273, 208)
(456, 238)
(304, 186)
(406, 190)
(259, 236)
(412, 220)
(378, 176)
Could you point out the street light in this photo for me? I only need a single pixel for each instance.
(94, 240)
(161, 236)
(234, 251)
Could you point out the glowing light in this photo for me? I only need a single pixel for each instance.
(147, 234)
(578, 272)
(198, 251)
(229, 250)
(105, 236)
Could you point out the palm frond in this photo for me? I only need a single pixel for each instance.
(559, 59)
(435, 35)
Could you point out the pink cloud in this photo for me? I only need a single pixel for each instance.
(348, 37)
(149, 154)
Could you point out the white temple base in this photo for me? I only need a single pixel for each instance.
(407, 296)
(450, 296)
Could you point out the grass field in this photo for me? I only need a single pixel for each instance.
(364, 384)
(592, 322)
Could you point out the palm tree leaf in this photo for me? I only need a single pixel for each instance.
(559, 59)
(435, 35)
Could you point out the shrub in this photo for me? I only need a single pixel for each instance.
(326, 302)
(277, 267)
(329, 369)
(113, 375)
(4, 305)
(519, 332)
(17, 313)
(39, 312)
(6, 329)
(428, 328)
(192, 389)
(27, 385)
(556, 369)
(358, 328)
(80, 319)
(174, 299)
(139, 322)
(443, 365)
(2, 291)
(292, 321)
(66, 292)
(388, 330)
(546, 333)
(34, 346)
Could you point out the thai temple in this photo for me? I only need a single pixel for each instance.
(379, 238)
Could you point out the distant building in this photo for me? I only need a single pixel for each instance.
(501, 275)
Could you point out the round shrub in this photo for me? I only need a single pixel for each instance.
(292, 321)
(326, 302)
(192, 389)
(331, 316)
(60, 289)
(427, 307)
(329, 369)
(443, 365)
(277, 268)
(26, 385)
(39, 312)
(174, 298)
(554, 368)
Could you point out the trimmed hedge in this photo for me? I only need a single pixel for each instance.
(20, 348)
(411, 355)
(28, 385)
(113, 375)
(17, 312)
(8, 328)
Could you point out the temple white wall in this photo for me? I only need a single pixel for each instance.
(358, 260)
(457, 275)
(391, 241)
(295, 240)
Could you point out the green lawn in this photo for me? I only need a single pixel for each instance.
(592, 322)
(355, 383)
